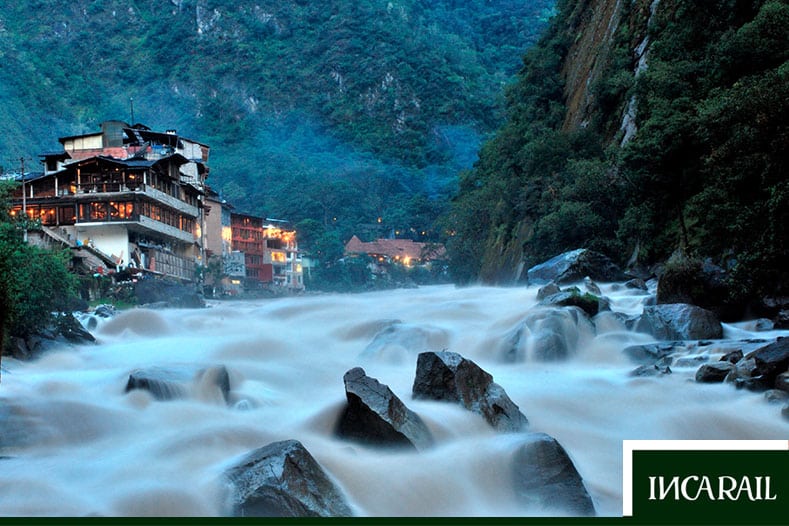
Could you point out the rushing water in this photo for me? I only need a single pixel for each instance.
(77, 444)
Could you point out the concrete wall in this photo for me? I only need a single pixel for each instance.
(112, 240)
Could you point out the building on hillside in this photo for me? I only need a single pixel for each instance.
(129, 197)
(403, 251)
(271, 252)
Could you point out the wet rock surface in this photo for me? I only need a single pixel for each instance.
(574, 266)
(375, 416)
(449, 377)
(545, 477)
(282, 479)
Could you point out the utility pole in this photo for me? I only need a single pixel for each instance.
(24, 199)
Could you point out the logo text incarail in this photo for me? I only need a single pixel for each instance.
(725, 487)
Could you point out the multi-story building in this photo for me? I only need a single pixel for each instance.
(130, 195)
(271, 253)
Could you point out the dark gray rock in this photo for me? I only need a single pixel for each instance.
(732, 356)
(104, 311)
(179, 382)
(693, 360)
(771, 360)
(785, 412)
(776, 396)
(574, 266)
(745, 375)
(548, 290)
(450, 377)
(782, 381)
(545, 477)
(588, 303)
(375, 416)
(650, 370)
(592, 287)
(649, 353)
(72, 330)
(679, 321)
(636, 283)
(714, 372)
(283, 479)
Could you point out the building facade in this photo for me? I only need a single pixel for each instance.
(129, 194)
(271, 252)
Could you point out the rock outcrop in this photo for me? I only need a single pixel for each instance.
(545, 477)
(679, 321)
(575, 266)
(450, 377)
(375, 416)
(283, 479)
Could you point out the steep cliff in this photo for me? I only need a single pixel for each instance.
(637, 128)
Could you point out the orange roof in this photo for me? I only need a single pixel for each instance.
(395, 248)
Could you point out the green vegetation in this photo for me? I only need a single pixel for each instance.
(35, 284)
(705, 172)
(337, 112)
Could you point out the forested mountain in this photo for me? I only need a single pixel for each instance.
(639, 129)
(337, 112)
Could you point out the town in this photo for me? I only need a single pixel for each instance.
(131, 202)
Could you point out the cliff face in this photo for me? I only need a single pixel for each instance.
(640, 128)
(605, 39)
(602, 29)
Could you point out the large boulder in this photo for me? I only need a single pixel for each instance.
(448, 376)
(169, 383)
(701, 283)
(546, 478)
(679, 321)
(283, 479)
(375, 416)
(575, 266)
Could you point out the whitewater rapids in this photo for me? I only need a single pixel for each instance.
(74, 443)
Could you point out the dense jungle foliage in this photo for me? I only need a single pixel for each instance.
(334, 113)
(706, 172)
(36, 284)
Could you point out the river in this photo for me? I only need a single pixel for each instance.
(74, 443)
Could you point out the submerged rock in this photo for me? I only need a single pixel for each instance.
(679, 321)
(574, 266)
(545, 477)
(179, 382)
(375, 416)
(448, 376)
(283, 479)
(397, 340)
(549, 334)
(650, 353)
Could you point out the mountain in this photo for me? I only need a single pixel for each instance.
(640, 129)
(351, 109)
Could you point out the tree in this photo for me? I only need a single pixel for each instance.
(34, 283)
